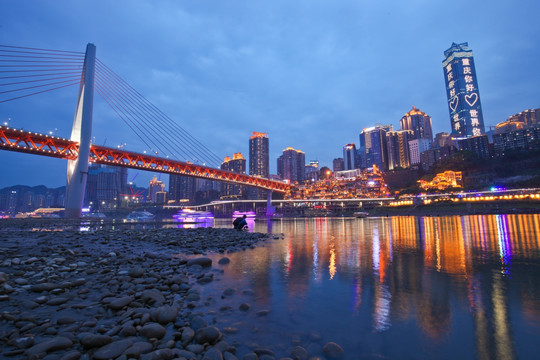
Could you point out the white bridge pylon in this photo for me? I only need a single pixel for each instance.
(77, 170)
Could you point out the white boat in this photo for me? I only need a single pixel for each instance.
(140, 216)
(193, 216)
(361, 214)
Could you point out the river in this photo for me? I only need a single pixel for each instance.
(464, 287)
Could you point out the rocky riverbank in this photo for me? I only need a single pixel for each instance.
(117, 294)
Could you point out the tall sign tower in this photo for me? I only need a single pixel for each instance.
(462, 91)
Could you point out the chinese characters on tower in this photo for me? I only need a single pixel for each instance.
(462, 92)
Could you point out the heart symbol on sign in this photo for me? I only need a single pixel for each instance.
(453, 103)
(471, 99)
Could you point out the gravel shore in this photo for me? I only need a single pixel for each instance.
(116, 294)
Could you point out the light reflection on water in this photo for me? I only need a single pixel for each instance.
(423, 288)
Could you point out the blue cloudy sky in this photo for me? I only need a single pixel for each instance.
(311, 74)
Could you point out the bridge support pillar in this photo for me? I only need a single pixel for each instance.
(270, 210)
(77, 170)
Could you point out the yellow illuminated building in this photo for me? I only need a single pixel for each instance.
(443, 181)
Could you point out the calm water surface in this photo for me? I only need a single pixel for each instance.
(402, 287)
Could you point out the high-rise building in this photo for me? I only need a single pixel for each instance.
(373, 140)
(291, 165)
(259, 162)
(154, 187)
(442, 139)
(521, 139)
(416, 148)
(182, 189)
(238, 165)
(259, 155)
(398, 149)
(523, 120)
(338, 164)
(419, 123)
(476, 144)
(350, 157)
(462, 91)
(104, 186)
(312, 170)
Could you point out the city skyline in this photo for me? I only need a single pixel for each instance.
(272, 70)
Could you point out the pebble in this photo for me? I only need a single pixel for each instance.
(95, 340)
(153, 330)
(165, 314)
(299, 353)
(201, 261)
(112, 350)
(57, 343)
(114, 294)
(332, 351)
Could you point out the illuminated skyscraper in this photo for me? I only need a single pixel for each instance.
(291, 165)
(350, 157)
(104, 187)
(338, 164)
(398, 149)
(462, 91)
(182, 189)
(419, 123)
(155, 187)
(259, 160)
(373, 141)
(259, 155)
(238, 165)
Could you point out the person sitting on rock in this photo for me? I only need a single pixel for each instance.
(240, 222)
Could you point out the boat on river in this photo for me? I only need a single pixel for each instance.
(193, 216)
(361, 214)
(140, 216)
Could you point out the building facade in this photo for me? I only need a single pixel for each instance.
(374, 145)
(259, 155)
(259, 161)
(350, 157)
(398, 149)
(417, 147)
(529, 117)
(462, 91)
(338, 164)
(442, 139)
(105, 186)
(291, 165)
(154, 187)
(182, 189)
(419, 123)
(523, 139)
(476, 144)
(237, 165)
(430, 157)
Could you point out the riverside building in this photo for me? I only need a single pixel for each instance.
(462, 92)
(419, 123)
(259, 161)
(291, 165)
(238, 165)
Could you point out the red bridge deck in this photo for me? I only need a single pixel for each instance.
(45, 145)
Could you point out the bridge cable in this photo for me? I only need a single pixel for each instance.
(48, 69)
(151, 109)
(131, 100)
(123, 105)
(132, 91)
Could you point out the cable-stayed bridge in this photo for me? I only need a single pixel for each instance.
(26, 72)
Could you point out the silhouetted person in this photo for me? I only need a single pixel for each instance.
(240, 222)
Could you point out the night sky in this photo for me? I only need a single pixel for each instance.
(311, 74)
